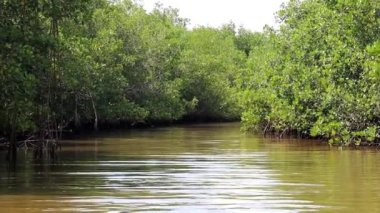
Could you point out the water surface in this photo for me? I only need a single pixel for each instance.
(193, 168)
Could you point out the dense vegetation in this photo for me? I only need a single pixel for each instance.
(68, 64)
(65, 64)
(319, 74)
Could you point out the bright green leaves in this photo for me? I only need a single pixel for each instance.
(314, 75)
(374, 62)
(209, 66)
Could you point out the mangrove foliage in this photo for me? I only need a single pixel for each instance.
(74, 64)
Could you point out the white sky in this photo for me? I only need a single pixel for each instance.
(252, 14)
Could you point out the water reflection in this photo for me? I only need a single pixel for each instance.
(203, 182)
(201, 168)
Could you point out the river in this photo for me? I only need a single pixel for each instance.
(193, 168)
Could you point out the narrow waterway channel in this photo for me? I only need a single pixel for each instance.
(193, 168)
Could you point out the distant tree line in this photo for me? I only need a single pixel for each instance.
(68, 64)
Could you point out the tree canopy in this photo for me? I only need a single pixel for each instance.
(317, 75)
(68, 64)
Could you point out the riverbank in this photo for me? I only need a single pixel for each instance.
(88, 131)
(30, 140)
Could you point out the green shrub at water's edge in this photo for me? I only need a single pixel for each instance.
(317, 77)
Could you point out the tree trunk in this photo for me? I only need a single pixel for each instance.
(12, 151)
(76, 115)
(95, 113)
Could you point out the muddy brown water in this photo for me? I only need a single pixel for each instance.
(193, 168)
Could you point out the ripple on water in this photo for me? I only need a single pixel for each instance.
(190, 182)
